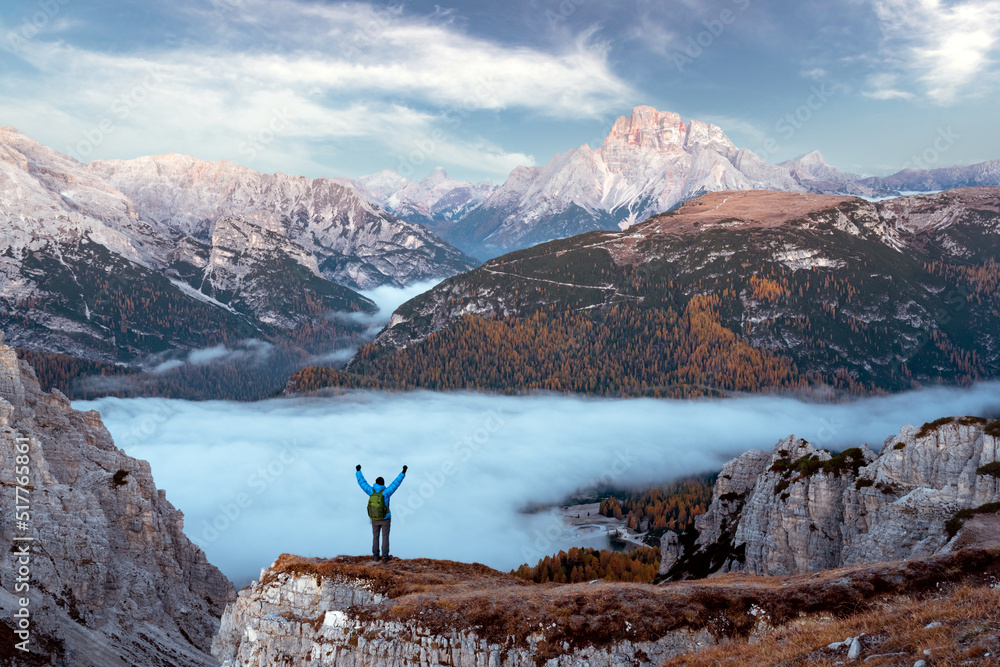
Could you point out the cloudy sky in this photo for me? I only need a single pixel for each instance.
(346, 89)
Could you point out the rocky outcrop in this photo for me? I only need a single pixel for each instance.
(113, 579)
(800, 509)
(309, 612)
(252, 270)
(346, 612)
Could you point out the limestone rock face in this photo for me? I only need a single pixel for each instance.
(803, 510)
(339, 613)
(113, 579)
(737, 478)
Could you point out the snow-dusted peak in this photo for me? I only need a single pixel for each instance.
(46, 196)
(435, 197)
(648, 128)
(811, 158)
(814, 173)
(705, 136)
(650, 161)
(811, 166)
(384, 183)
(438, 176)
(184, 196)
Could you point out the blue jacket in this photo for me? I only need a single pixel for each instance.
(386, 490)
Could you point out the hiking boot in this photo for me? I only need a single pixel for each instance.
(386, 559)
(375, 558)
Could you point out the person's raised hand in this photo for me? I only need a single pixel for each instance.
(404, 469)
(358, 468)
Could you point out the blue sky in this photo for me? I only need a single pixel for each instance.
(346, 89)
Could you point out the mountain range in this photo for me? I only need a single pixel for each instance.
(649, 162)
(733, 291)
(141, 261)
(118, 260)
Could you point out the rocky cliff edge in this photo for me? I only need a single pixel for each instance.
(112, 581)
(798, 509)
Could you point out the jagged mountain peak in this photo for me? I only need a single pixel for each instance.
(812, 157)
(383, 183)
(647, 127)
(347, 232)
(437, 176)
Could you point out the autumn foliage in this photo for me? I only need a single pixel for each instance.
(672, 507)
(578, 565)
(631, 351)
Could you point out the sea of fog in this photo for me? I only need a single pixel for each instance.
(255, 480)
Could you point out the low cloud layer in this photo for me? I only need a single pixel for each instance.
(251, 348)
(258, 479)
(388, 298)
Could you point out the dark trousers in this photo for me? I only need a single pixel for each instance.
(383, 527)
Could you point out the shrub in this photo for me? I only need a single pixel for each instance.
(989, 469)
(971, 421)
(119, 478)
(781, 486)
(993, 428)
(808, 465)
(852, 460)
(781, 465)
(899, 445)
(862, 482)
(930, 427)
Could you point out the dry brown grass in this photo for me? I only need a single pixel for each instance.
(444, 596)
(399, 578)
(894, 633)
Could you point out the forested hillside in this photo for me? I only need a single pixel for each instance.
(770, 291)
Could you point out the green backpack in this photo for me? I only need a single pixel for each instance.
(377, 508)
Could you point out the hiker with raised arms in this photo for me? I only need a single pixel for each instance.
(378, 509)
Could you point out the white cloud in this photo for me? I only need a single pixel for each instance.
(654, 35)
(349, 70)
(945, 46)
(251, 348)
(888, 94)
(883, 87)
(469, 474)
(388, 298)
